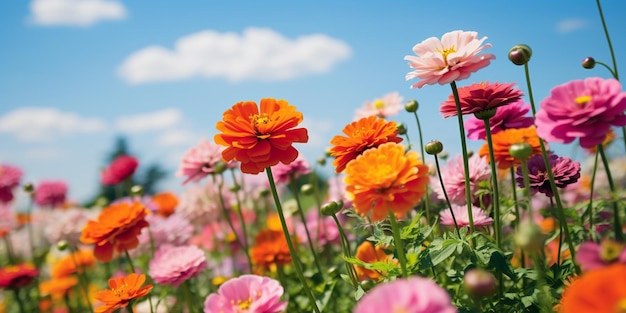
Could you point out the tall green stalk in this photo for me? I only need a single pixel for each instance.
(397, 240)
(427, 195)
(617, 225)
(494, 182)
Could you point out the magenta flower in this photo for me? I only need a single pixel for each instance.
(591, 256)
(9, 179)
(412, 295)
(284, 172)
(462, 219)
(481, 97)
(454, 179)
(564, 170)
(584, 109)
(452, 58)
(508, 116)
(388, 105)
(50, 193)
(200, 161)
(173, 265)
(247, 293)
(122, 168)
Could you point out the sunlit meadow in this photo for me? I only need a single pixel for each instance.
(400, 226)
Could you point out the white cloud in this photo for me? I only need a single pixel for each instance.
(75, 12)
(256, 54)
(44, 153)
(149, 121)
(36, 124)
(176, 137)
(571, 25)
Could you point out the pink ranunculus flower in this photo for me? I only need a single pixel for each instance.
(388, 105)
(480, 97)
(10, 177)
(247, 293)
(174, 265)
(50, 194)
(283, 172)
(585, 109)
(199, 161)
(454, 180)
(508, 116)
(592, 255)
(479, 217)
(452, 58)
(412, 295)
(122, 168)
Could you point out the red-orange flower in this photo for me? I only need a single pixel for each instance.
(368, 132)
(116, 228)
(58, 287)
(270, 248)
(503, 140)
(166, 203)
(260, 139)
(123, 290)
(17, 276)
(73, 263)
(386, 178)
(599, 290)
(369, 253)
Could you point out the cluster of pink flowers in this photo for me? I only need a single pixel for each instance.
(50, 194)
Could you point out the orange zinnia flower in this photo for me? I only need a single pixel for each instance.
(73, 263)
(260, 139)
(58, 287)
(369, 253)
(270, 248)
(117, 227)
(166, 203)
(123, 290)
(368, 132)
(504, 139)
(385, 178)
(599, 290)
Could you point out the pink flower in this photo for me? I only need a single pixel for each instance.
(337, 191)
(9, 179)
(324, 227)
(564, 170)
(389, 105)
(412, 295)
(247, 293)
(122, 168)
(462, 218)
(584, 109)
(173, 265)
(454, 180)
(283, 172)
(68, 224)
(481, 97)
(592, 256)
(172, 230)
(50, 193)
(508, 116)
(200, 161)
(452, 58)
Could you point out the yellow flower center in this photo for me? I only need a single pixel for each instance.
(379, 104)
(621, 306)
(582, 100)
(242, 304)
(118, 291)
(445, 52)
(610, 251)
(259, 119)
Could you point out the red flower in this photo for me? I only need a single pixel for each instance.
(17, 276)
(480, 97)
(120, 169)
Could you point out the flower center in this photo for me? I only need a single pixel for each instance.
(118, 291)
(621, 306)
(582, 100)
(445, 52)
(610, 251)
(259, 119)
(379, 104)
(243, 304)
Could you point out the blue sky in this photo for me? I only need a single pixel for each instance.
(75, 74)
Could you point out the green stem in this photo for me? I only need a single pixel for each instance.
(445, 194)
(557, 196)
(20, 303)
(518, 218)
(527, 194)
(395, 229)
(294, 191)
(188, 296)
(593, 182)
(244, 228)
(617, 225)
(494, 181)
(345, 245)
(608, 40)
(292, 251)
(10, 254)
(468, 192)
(607, 67)
(82, 278)
(130, 261)
(423, 156)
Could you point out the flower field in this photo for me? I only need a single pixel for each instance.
(400, 226)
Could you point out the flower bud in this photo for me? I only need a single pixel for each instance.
(29, 188)
(235, 188)
(443, 155)
(479, 283)
(411, 106)
(328, 153)
(264, 193)
(485, 114)
(520, 54)
(307, 189)
(401, 127)
(321, 161)
(434, 147)
(62, 245)
(521, 151)
(529, 237)
(219, 167)
(589, 63)
(331, 208)
(136, 190)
